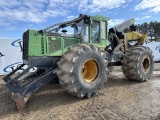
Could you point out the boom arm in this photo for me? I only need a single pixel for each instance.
(124, 25)
(63, 24)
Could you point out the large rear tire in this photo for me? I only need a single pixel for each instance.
(138, 63)
(82, 70)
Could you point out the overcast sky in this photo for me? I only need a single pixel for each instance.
(16, 16)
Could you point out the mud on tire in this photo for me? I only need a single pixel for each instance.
(72, 76)
(138, 63)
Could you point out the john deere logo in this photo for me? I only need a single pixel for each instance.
(17, 43)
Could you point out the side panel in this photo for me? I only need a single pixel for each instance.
(68, 42)
(56, 46)
(37, 44)
(42, 45)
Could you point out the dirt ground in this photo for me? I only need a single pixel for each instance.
(119, 99)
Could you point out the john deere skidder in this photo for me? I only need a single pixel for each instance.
(79, 52)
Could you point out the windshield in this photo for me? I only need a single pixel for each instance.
(78, 27)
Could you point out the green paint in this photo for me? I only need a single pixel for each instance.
(49, 45)
(37, 43)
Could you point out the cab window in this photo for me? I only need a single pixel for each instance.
(103, 30)
(96, 31)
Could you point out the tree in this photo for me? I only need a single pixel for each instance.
(152, 28)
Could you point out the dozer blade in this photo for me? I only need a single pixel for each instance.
(23, 88)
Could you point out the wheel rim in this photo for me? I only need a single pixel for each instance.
(90, 70)
(146, 63)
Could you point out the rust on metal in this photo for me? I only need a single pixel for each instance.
(21, 104)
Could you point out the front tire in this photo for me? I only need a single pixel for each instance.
(82, 70)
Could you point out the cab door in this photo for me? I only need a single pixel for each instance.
(95, 32)
(99, 33)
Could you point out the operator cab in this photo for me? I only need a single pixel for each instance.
(90, 29)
